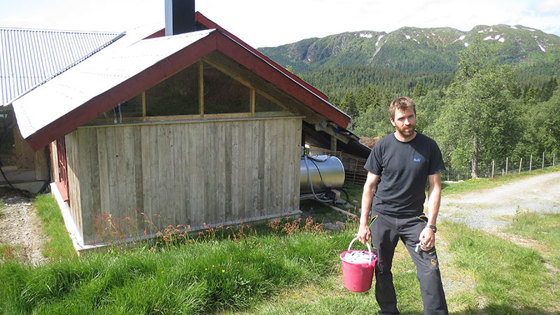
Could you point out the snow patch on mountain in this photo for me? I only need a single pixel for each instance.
(462, 37)
(498, 37)
(377, 43)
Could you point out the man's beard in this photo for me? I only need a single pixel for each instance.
(406, 131)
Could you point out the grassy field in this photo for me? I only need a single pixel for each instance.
(287, 267)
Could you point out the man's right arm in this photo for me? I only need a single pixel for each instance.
(367, 197)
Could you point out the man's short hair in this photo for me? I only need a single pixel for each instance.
(402, 103)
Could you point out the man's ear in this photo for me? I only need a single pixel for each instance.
(392, 122)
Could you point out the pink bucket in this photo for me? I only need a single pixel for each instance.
(358, 276)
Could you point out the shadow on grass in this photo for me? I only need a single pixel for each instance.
(493, 308)
(500, 308)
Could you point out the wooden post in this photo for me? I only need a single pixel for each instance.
(144, 105)
(252, 101)
(542, 160)
(520, 161)
(201, 89)
(531, 164)
(355, 171)
(492, 176)
(507, 160)
(333, 145)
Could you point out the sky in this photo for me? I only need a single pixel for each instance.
(264, 23)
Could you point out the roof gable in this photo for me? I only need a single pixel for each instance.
(129, 67)
(29, 58)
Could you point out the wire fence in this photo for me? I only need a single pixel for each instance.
(502, 167)
(356, 174)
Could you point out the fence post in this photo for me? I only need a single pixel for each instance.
(492, 176)
(542, 160)
(507, 160)
(531, 164)
(520, 161)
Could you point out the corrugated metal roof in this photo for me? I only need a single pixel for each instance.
(28, 58)
(100, 73)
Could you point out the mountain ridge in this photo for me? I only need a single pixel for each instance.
(413, 49)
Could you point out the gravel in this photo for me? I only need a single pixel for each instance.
(21, 228)
(485, 209)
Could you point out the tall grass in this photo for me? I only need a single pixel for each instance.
(59, 245)
(197, 277)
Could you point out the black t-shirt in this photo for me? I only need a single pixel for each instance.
(403, 168)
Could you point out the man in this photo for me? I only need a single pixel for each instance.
(398, 167)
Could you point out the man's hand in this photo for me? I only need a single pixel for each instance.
(364, 233)
(428, 238)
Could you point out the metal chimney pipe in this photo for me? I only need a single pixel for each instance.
(179, 17)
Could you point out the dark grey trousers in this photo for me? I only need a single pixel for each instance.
(385, 233)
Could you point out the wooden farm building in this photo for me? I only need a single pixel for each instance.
(195, 129)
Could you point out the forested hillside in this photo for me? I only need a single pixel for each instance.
(485, 94)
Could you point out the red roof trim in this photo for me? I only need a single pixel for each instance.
(200, 18)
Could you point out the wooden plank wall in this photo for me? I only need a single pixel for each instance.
(148, 176)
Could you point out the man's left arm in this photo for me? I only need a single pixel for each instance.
(434, 198)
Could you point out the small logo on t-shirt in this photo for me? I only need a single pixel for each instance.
(417, 160)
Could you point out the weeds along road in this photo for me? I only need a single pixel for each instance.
(484, 209)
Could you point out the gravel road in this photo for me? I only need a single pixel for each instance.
(483, 209)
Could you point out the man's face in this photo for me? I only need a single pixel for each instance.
(404, 122)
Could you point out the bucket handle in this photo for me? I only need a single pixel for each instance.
(367, 244)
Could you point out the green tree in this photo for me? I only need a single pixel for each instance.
(541, 127)
(418, 91)
(348, 103)
(478, 122)
(428, 109)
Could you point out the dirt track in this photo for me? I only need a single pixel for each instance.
(483, 209)
(21, 228)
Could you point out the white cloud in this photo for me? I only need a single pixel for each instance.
(549, 6)
(272, 23)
